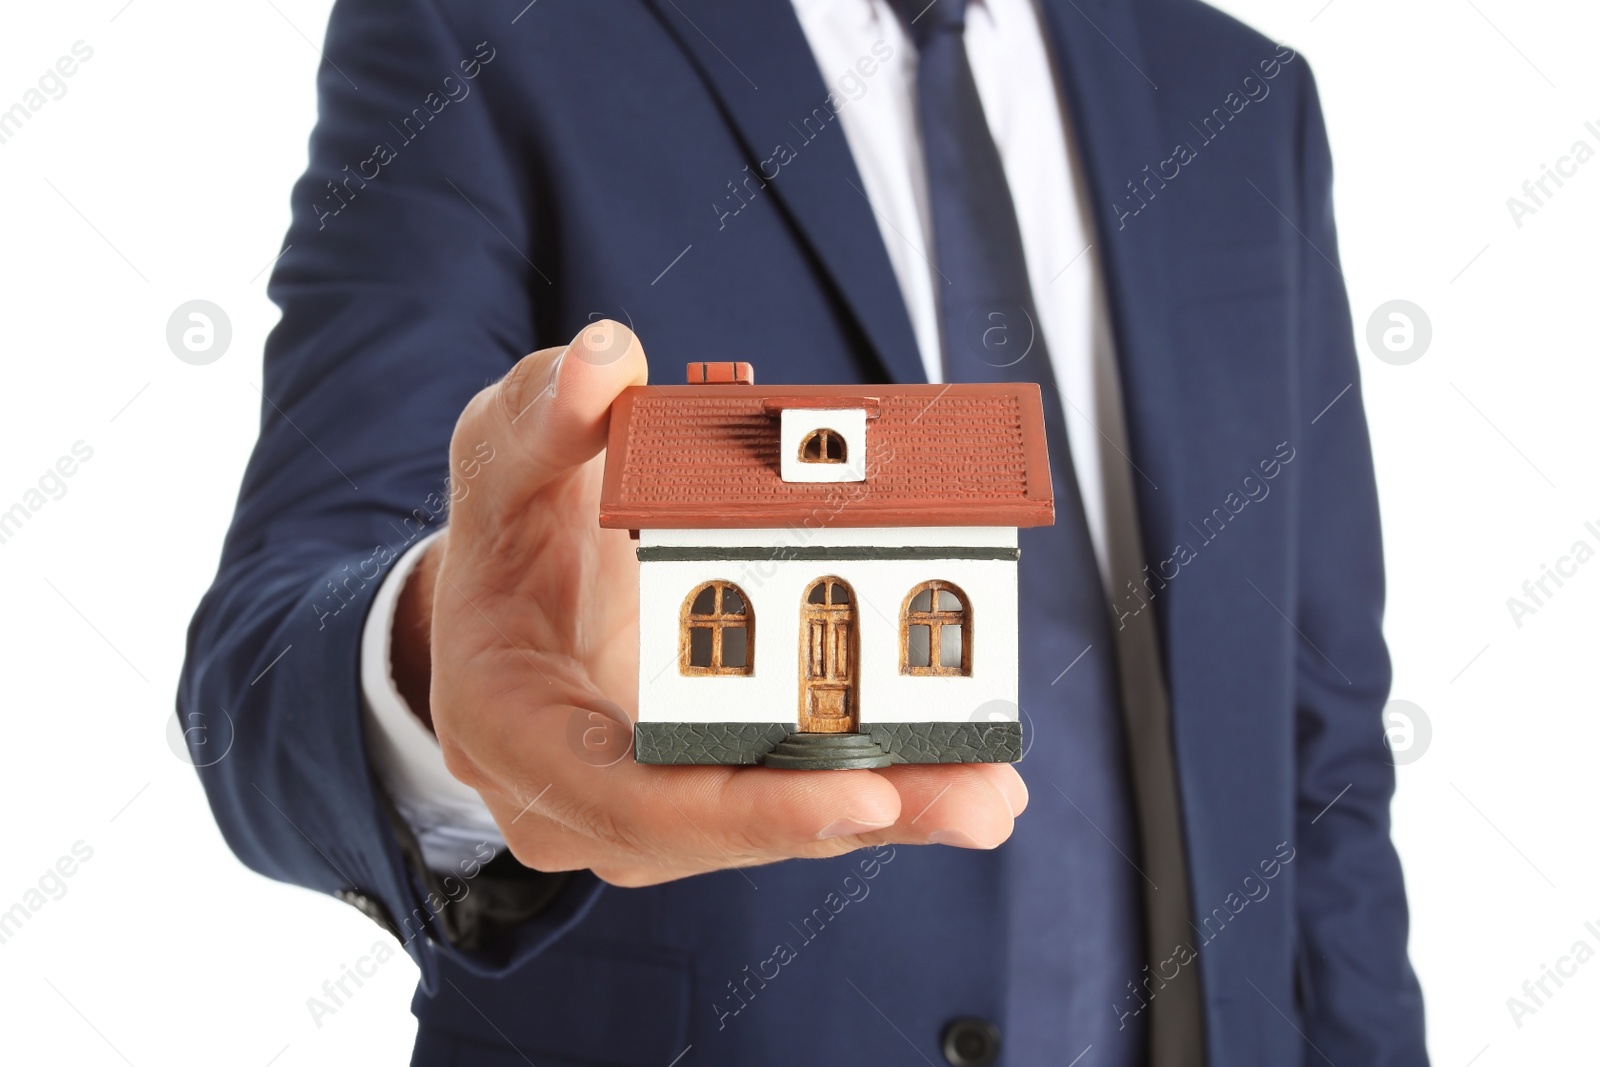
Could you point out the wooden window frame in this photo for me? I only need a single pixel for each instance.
(716, 622)
(822, 435)
(935, 620)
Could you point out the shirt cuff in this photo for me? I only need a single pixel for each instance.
(449, 818)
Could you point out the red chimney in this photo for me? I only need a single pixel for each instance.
(721, 374)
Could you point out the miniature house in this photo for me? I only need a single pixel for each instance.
(828, 574)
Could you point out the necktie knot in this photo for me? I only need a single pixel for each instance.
(925, 18)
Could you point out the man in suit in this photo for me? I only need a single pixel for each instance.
(430, 714)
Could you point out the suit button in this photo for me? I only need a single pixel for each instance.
(970, 1042)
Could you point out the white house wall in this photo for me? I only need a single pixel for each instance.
(775, 590)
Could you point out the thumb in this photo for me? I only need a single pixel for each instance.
(546, 418)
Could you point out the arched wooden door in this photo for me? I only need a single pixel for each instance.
(828, 659)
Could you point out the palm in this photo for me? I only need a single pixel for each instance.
(555, 618)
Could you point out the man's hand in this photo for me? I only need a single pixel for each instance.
(533, 615)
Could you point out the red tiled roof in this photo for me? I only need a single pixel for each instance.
(687, 457)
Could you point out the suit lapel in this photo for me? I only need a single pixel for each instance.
(755, 58)
(1110, 92)
(1108, 87)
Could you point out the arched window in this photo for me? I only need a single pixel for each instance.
(718, 630)
(936, 631)
(822, 446)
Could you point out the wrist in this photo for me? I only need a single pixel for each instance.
(411, 647)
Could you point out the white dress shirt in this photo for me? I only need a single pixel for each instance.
(1006, 45)
(448, 817)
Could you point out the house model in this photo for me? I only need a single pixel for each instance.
(828, 574)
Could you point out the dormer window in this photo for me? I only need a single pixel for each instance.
(822, 439)
(823, 446)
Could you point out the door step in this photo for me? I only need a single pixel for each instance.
(827, 752)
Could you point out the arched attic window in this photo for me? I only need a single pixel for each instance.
(822, 446)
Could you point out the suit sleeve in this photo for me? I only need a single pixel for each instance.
(407, 284)
(1360, 997)
(448, 819)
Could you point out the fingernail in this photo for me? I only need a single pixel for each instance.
(604, 342)
(1016, 796)
(549, 389)
(520, 392)
(953, 838)
(848, 828)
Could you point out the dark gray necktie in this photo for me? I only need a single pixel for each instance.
(1076, 937)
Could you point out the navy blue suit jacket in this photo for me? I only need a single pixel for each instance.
(486, 177)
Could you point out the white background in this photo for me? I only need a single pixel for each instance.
(163, 176)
